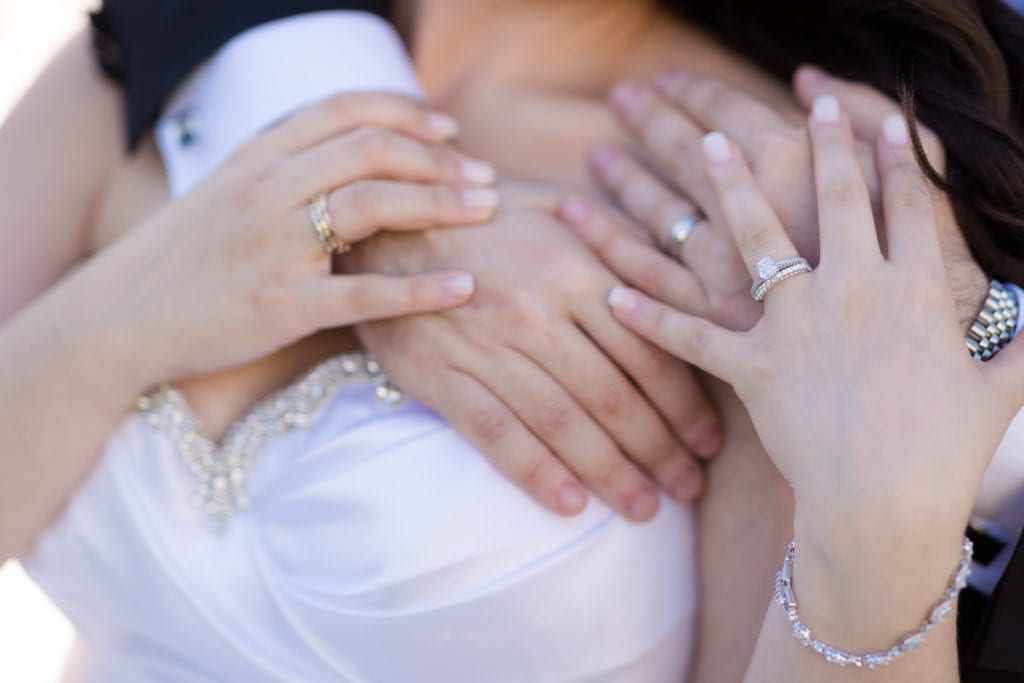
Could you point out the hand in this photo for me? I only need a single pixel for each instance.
(546, 384)
(667, 124)
(234, 270)
(856, 378)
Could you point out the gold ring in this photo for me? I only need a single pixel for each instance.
(324, 226)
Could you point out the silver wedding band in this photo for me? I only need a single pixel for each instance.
(771, 272)
(682, 229)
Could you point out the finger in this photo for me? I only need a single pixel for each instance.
(669, 385)
(715, 105)
(363, 208)
(754, 225)
(845, 218)
(643, 197)
(330, 302)
(665, 134)
(631, 259)
(377, 153)
(866, 107)
(345, 112)
(614, 403)
(700, 343)
(908, 202)
(477, 414)
(562, 424)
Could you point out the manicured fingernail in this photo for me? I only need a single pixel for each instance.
(477, 172)
(604, 156)
(443, 125)
(670, 80)
(623, 300)
(826, 109)
(627, 95)
(717, 148)
(575, 211)
(643, 505)
(460, 286)
(480, 200)
(572, 499)
(708, 442)
(687, 483)
(895, 130)
(812, 75)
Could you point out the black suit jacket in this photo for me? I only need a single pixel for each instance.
(992, 651)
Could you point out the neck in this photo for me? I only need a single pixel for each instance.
(564, 44)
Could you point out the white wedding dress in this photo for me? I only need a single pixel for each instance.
(378, 545)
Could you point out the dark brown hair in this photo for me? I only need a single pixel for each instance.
(957, 65)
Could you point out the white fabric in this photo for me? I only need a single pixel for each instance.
(381, 547)
(271, 71)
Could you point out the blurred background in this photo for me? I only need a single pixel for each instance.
(34, 636)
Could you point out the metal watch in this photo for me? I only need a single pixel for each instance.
(995, 325)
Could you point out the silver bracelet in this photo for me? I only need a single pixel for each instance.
(993, 329)
(785, 596)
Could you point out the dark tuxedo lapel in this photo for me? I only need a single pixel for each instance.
(996, 653)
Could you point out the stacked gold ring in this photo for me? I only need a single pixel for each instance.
(324, 226)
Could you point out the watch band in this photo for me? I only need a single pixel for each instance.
(995, 325)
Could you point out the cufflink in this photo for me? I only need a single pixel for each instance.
(182, 130)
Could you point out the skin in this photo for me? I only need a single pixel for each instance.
(883, 489)
(482, 99)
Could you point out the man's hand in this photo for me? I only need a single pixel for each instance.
(536, 373)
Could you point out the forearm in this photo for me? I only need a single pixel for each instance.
(68, 380)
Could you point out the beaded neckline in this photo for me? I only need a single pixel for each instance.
(220, 470)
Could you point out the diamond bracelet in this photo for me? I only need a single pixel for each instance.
(785, 596)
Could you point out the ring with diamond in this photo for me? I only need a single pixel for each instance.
(771, 272)
(324, 226)
(682, 229)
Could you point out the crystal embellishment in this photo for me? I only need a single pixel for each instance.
(766, 268)
(786, 597)
(220, 471)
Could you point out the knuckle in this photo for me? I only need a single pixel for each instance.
(842, 190)
(756, 240)
(780, 149)
(373, 144)
(615, 400)
(443, 200)
(531, 471)
(612, 473)
(526, 310)
(696, 339)
(555, 417)
(491, 424)
(359, 295)
(362, 199)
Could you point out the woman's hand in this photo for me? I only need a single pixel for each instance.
(667, 123)
(546, 384)
(857, 381)
(234, 270)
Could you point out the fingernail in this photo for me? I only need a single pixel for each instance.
(627, 95)
(443, 125)
(826, 109)
(575, 211)
(623, 300)
(717, 148)
(895, 130)
(572, 499)
(460, 286)
(480, 200)
(477, 172)
(604, 156)
(643, 505)
(670, 80)
(687, 483)
(812, 75)
(708, 442)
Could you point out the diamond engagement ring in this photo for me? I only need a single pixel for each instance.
(682, 229)
(771, 272)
